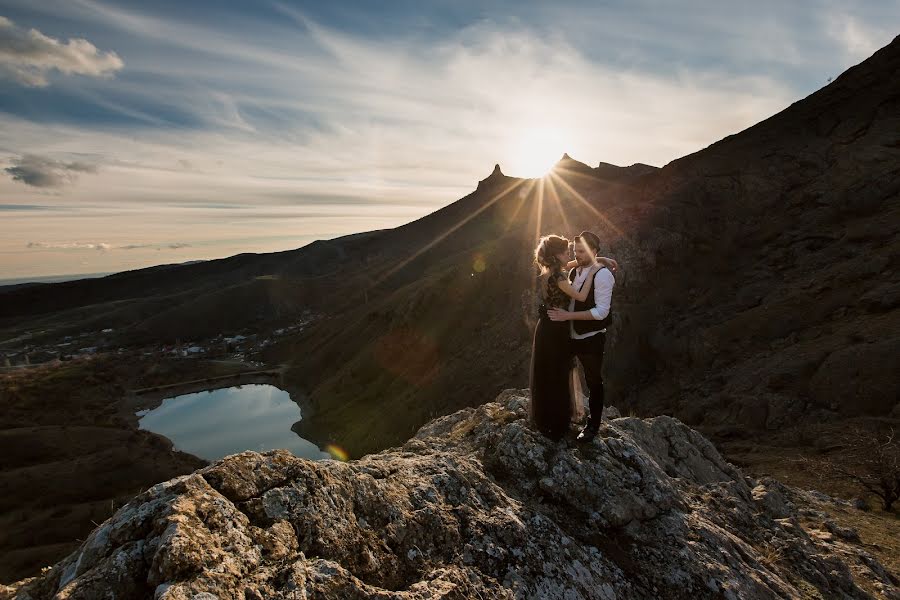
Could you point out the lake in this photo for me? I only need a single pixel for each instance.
(216, 423)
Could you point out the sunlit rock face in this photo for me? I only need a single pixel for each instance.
(476, 505)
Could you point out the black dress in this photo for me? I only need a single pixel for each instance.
(550, 410)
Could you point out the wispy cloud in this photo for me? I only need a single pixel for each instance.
(103, 246)
(70, 245)
(23, 207)
(27, 56)
(857, 38)
(42, 172)
(173, 246)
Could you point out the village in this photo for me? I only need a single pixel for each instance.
(243, 346)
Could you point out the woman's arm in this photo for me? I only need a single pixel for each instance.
(581, 296)
(609, 263)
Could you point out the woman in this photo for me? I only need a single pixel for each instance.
(551, 407)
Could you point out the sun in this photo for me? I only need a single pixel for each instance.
(535, 150)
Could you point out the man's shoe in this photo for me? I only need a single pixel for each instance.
(588, 433)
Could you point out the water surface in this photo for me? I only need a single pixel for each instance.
(216, 423)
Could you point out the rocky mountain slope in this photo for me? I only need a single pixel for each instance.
(476, 504)
(765, 286)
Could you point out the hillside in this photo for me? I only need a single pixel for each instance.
(759, 287)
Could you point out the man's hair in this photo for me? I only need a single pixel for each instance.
(591, 239)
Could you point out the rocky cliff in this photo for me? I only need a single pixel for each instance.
(475, 505)
(764, 285)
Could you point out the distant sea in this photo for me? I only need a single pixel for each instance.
(51, 278)
(73, 276)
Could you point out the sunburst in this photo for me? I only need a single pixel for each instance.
(534, 151)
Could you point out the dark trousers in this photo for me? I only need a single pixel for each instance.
(590, 352)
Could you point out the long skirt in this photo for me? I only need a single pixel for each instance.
(551, 380)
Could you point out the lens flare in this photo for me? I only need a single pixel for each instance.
(337, 452)
(408, 354)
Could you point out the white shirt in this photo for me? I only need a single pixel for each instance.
(603, 287)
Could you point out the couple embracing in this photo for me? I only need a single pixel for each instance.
(572, 321)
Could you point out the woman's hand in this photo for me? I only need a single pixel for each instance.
(558, 314)
(609, 263)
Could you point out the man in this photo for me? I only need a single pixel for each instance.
(588, 323)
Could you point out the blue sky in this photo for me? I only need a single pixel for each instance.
(136, 133)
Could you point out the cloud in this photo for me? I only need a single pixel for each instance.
(27, 56)
(41, 171)
(70, 245)
(857, 38)
(172, 246)
(23, 207)
(103, 246)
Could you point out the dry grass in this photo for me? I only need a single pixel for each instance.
(879, 531)
(771, 555)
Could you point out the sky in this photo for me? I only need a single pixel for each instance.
(139, 133)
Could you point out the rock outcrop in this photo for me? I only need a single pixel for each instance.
(496, 177)
(568, 165)
(475, 505)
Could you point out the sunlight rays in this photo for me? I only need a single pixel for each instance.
(537, 216)
(523, 197)
(449, 231)
(584, 201)
(534, 191)
(556, 202)
(539, 209)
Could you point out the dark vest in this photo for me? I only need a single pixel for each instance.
(582, 327)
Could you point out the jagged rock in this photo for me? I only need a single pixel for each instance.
(611, 412)
(769, 495)
(568, 164)
(847, 533)
(476, 504)
(494, 178)
(617, 173)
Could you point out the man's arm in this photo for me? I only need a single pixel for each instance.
(603, 287)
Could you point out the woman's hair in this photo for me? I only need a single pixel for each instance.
(547, 249)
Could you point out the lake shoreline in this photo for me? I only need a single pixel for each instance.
(72, 451)
(215, 419)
